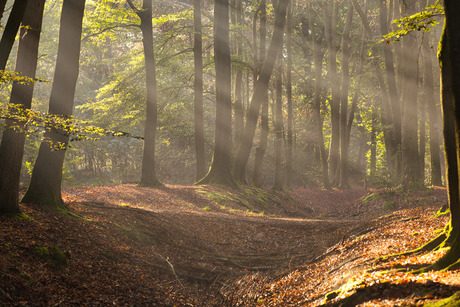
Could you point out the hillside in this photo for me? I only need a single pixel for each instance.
(203, 246)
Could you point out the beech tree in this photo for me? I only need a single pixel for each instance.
(12, 144)
(450, 65)
(198, 91)
(220, 170)
(258, 63)
(11, 29)
(274, 49)
(45, 184)
(148, 175)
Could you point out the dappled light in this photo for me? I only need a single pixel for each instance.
(229, 153)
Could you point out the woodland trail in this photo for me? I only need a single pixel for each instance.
(188, 245)
(236, 232)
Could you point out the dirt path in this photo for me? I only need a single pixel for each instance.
(292, 230)
(204, 246)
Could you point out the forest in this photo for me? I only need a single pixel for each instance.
(230, 152)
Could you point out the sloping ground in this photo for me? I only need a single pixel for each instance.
(204, 246)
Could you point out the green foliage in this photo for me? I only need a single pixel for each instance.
(422, 21)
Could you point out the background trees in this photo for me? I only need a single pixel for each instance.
(331, 68)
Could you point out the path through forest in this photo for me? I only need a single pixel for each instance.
(180, 245)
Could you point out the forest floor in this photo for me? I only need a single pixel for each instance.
(210, 246)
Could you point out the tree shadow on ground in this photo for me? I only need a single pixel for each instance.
(390, 291)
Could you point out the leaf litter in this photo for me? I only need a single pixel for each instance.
(128, 245)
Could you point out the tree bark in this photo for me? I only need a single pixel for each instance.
(239, 167)
(290, 112)
(12, 144)
(450, 96)
(2, 8)
(430, 101)
(11, 29)
(220, 170)
(343, 182)
(45, 184)
(410, 154)
(334, 146)
(318, 55)
(238, 105)
(148, 173)
(198, 91)
(264, 124)
(278, 181)
(395, 155)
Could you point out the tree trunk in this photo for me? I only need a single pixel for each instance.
(334, 147)
(422, 140)
(410, 154)
(11, 29)
(450, 95)
(373, 157)
(238, 105)
(239, 168)
(278, 181)
(12, 144)
(344, 99)
(318, 55)
(290, 113)
(264, 125)
(430, 101)
(2, 8)
(395, 155)
(198, 90)
(220, 170)
(148, 173)
(45, 184)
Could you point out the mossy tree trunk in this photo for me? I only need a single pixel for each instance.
(449, 60)
(45, 184)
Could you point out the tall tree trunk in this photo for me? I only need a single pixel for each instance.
(422, 140)
(450, 96)
(11, 29)
(239, 168)
(264, 125)
(148, 173)
(318, 55)
(344, 98)
(410, 154)
(334, 147)
(290, 113)
(2, 8)
(395, 103)
(278, 181)
(220, 170)
(373, 157)
(430, 101)
(198, 91)
(12, 145)
(238, 105)
(45, 184)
